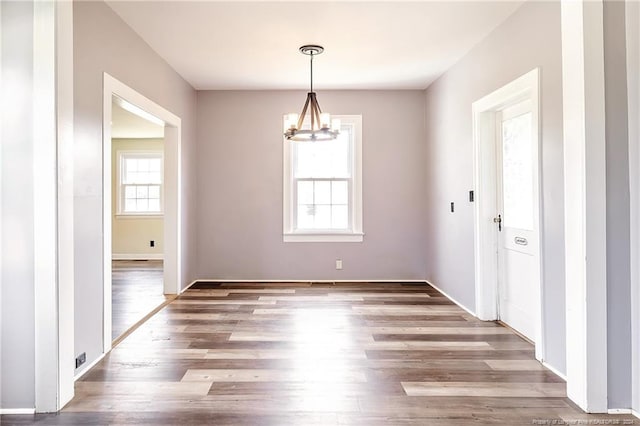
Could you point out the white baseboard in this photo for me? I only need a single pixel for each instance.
(13, 411)
(137, 256)
(554, 371)
(636, 413)
(224, 280)
(187, 287)
(451, 298)
(619, 411)
(88, 367)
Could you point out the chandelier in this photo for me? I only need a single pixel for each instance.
(322, 128)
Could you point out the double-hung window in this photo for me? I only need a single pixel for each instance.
(323, 187)
(140, 183)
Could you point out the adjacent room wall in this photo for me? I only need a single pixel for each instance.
(528, 39)
(131, 234)
(240, 188)
(104, 43)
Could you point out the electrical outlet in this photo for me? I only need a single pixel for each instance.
(338, 264)
(81, 359)
(152, 243)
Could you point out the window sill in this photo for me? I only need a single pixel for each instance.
(336, 237)
(139, 216)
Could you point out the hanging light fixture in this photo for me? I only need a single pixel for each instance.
(322, 128)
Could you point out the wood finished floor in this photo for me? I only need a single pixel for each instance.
(321, 354)
(136, 290)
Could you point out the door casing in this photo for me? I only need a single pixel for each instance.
(172, 199)
(485, 205)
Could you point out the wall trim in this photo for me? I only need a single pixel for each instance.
(15, 411)
(219, 280)
(585, 201)
(554, 370)
(189, 286)
(636, 413)
(619, 411)
(445, 294)
(137, 256)
(89, 367)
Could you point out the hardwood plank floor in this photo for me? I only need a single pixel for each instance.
(319, 354)
(136, 291)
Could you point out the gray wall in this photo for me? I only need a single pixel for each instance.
(240, 188)
(104, 43)
(618, 214)
(530, 38)
(632, 18)
(17, 324)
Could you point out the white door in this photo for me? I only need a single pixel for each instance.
(517, 221)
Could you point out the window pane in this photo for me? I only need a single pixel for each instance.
(322, 192)
(132, 177)
(154, 177)
(304, 160)
(142, 205)
(141, 192)
(154, 205)
(305, 216)
(154, 165)
(323, 217)
(131, 165)
(305, 192)
(130, 191)
(517, 173)
(340, 156)
(339, 192)
(130, 205)
(154, 192)
(324, 159)
(340, 217)
(143, 165)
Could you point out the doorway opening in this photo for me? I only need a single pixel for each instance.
(137, 227)
(141, 216)
(508, 225)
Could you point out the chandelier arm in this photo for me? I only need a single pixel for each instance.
(315, 112)
(304, 112)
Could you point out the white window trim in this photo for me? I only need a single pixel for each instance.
(120, 213)
(355, 234)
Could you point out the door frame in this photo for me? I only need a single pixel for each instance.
(172, 198)
(485, 186)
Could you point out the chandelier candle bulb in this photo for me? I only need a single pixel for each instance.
(335, 124)
(292, 121)
(325, 120)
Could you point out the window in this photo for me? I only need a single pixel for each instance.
(323, 187)
(140, 183)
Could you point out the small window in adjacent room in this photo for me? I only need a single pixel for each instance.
(140, 183)
(323, 187)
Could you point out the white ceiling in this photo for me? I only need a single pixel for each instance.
(126, 125)
(368, 45)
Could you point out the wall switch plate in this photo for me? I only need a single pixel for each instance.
(152, 243)
(338, 264)
(81, 359)
(452, 207)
